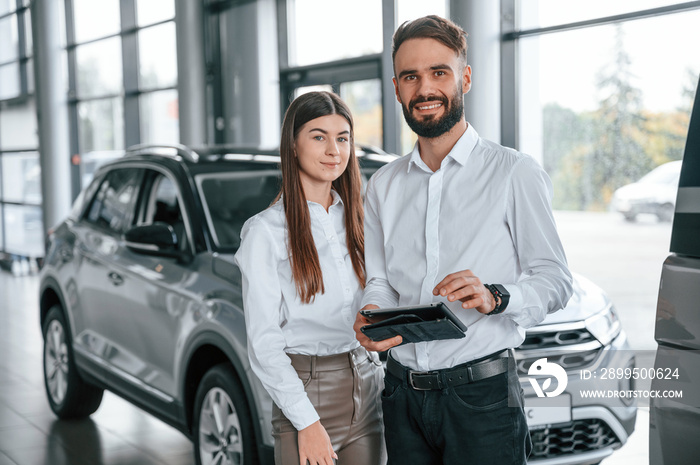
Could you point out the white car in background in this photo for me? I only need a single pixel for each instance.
(655, 193)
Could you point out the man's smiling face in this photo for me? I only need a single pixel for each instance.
(430, 81)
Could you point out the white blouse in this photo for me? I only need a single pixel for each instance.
(277, 321)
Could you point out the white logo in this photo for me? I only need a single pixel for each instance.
(550, 369)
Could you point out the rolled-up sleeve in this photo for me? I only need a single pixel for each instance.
(546, 285)
(258, 258)
(378, 291)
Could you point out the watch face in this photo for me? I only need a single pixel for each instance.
(502, 290)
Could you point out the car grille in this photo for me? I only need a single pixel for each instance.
(556, 339)
(574, 438)
(568, 361)
(572, 349)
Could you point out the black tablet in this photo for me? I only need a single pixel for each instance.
(414, 323)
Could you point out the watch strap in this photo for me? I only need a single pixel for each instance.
(499, 292)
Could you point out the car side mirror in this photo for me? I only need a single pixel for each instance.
(153, 239)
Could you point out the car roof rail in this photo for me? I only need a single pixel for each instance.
(371, 149)
(173, 150)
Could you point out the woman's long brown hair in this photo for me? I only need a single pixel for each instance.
(306, 268)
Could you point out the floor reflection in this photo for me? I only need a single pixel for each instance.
(30, 434)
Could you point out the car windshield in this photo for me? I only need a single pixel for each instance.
(230, 198)
(664, 174)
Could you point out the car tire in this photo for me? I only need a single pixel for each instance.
(223, 429)
(631, 217)
(68, 395)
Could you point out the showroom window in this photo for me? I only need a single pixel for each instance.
(122, 76)
(310, 20)
(21, 226)
(605, 103)
(351, 68)
(603, 96)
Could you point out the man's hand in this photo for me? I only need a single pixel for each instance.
(367, 343)
(468, 289)
(315, 445)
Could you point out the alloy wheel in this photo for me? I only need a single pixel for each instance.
(220, 439)
(56, 362)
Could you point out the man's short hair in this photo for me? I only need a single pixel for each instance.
(432, 27)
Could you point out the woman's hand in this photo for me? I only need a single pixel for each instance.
(367, 343)
(315, 446)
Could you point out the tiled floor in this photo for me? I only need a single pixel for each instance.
(30, 434)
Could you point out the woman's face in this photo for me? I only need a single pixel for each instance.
(323, 149)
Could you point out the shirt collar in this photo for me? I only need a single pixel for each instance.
(459, 153)
(335, 200)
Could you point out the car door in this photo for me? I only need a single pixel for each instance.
(103, 332)
(158, 295)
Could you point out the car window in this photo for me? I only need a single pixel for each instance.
(163, 205)
(112, 205)
(231, 198)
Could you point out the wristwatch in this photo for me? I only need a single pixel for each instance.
(498, 292)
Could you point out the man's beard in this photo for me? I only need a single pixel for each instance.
(432, 127)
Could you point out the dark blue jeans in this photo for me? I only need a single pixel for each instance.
(478, 423)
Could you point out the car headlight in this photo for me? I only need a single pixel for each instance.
(605, 325)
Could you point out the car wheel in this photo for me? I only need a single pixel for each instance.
(631, 217)
(665, 212)
(69, 396)
(223, 430)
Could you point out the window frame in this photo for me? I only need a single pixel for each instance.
(131, 91)
(128, 219)
(19, 13)
(147, 194)
(510, 35)
(337, 72)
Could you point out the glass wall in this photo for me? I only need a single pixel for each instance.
(606, 104)
(310, 20)
(121, 70)
(21, 227)
(604, 92)
(554, 12)
(123, 73)
(364, 99)
(351, 68)
(602, 104)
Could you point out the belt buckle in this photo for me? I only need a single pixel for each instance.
(423, 373)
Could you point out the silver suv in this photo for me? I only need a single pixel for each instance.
(139, 295)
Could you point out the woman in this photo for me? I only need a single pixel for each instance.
(303, 270)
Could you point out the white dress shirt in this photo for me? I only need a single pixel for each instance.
(277, 321)
(486, 209)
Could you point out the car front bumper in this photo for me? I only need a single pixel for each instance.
(595, 426)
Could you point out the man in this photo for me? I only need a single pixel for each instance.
(456, 213)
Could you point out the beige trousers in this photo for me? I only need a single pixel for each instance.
(345, 390)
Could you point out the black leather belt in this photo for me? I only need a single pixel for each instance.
(440, 379)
